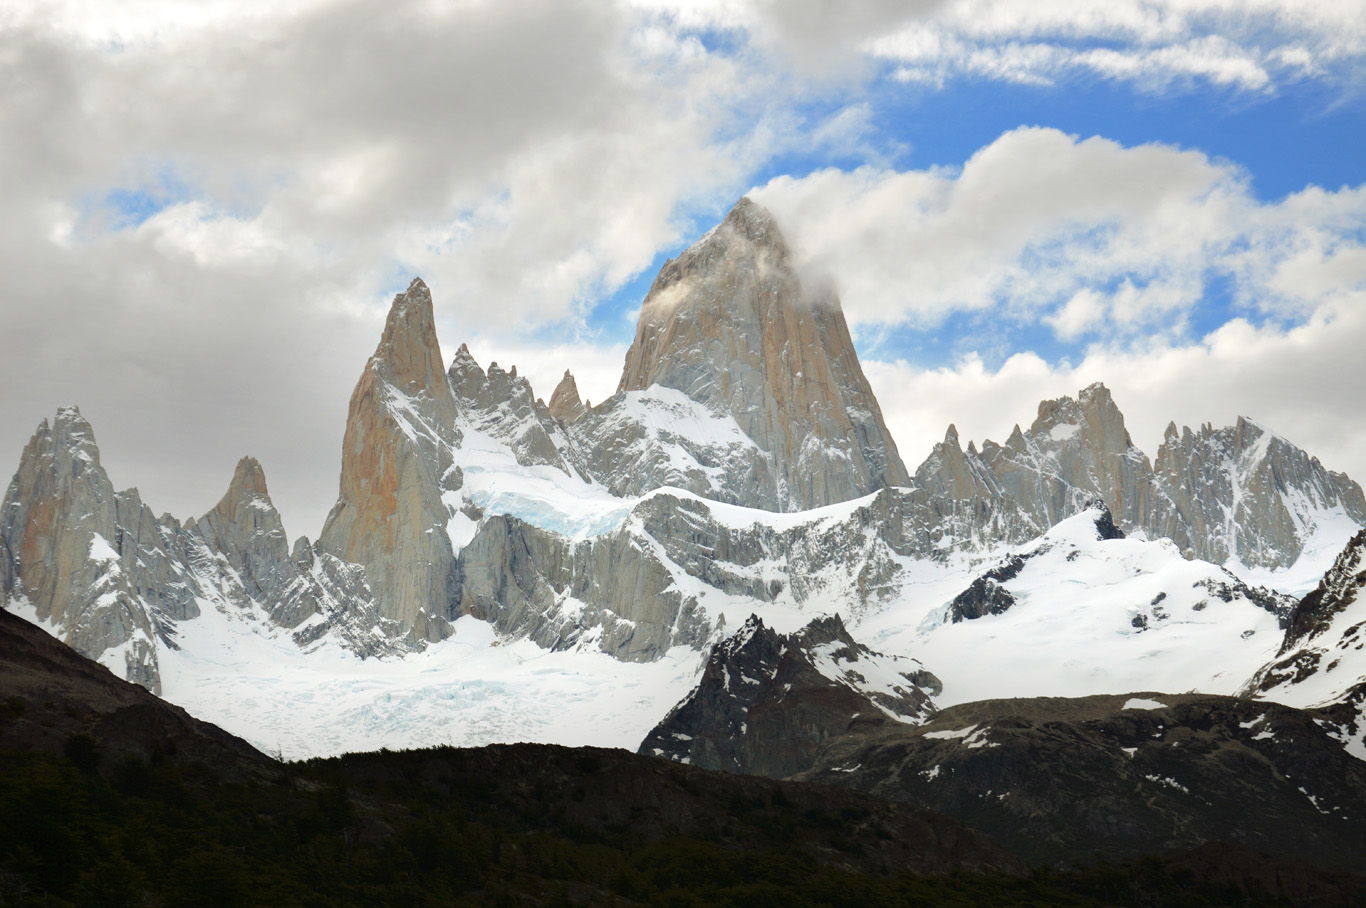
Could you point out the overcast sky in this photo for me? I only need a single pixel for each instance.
(205, 207)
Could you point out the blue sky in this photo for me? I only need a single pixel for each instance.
(210, 204)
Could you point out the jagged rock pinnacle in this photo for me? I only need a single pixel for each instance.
(564, 401)
(400, 430)
(248, 482)
(408, 355)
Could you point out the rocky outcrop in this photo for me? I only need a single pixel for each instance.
(639, 441)
(987, 595)
(766, 702)
(246, 529)
(396, 463)
(610, 593)
(730, 324)
(1336, 593)
(1245, 492)
(1322, 661)
(98, 570)
(1058, 779)
(501, 404)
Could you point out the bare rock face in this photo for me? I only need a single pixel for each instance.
(114, 582)
(1322, 661)
(639, 441)
(1245, 492)
(1076, 450)
(611, 592)
(396, 459)
(246, 528)
(60, 525)
(1240, 493)
(730, 325)
(565, 404)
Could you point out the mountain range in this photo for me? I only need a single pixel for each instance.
(727, 560)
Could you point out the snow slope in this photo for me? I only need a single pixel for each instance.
(1091, 616)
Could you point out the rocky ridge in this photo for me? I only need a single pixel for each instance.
(1053, 778)
(113, 581)
(396, 462)
(1143, 771)
(1242, 493)
(766, 702)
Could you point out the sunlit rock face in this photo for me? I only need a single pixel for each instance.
(565, 404)
(615, 527)
(730, 325)
(396, 460)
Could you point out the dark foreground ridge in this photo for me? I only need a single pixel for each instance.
(113, 798)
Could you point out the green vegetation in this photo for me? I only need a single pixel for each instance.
(368, 831)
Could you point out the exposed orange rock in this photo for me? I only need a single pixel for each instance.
(400, 430)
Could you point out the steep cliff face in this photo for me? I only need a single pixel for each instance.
(60, 522)
(730, 325)
(501, 404)
(115, 583)
(1075, 450)
(565, 404)
(396, 462)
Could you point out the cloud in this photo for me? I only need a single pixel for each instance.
(1153, 44)
(1089, 236)
(208, 205)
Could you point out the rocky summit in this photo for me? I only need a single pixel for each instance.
(731, 325)
(766, 702)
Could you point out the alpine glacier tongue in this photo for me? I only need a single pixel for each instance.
(396, 460)
(729, 324)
